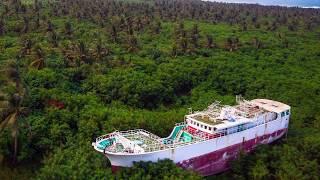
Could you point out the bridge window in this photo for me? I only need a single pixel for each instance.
(287, 112)
(274, 116)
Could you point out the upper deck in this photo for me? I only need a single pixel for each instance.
(217, 117)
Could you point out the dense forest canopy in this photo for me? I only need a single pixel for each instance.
(72, 70)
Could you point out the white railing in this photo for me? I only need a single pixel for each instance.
(180, 124)
(160, 144)
(128, 132)
(168, 145)
(106, 136)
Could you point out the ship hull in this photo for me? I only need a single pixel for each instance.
(212, 156)
(219, 161)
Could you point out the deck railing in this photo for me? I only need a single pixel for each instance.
(162, 143)
(128, 132)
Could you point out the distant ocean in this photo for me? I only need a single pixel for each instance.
(289, 3)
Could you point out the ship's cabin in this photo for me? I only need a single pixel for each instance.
(223, 120)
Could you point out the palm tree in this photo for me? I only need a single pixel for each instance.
(26, 25)
(83, 53)
(11, 107)
(37, 6)
(76, 54)
(232, 43)
(26, 49)
(100, 51)
(2, 27)
(195, 35)
(210, 43)
(114, 34)
(53, 38)
(256, 43)
(157, 27)
(49, 26)
(70, 56)
(37, 20)
(68, 28)
(174, 51)
(183, 44)
(132, 43)
(38, 63)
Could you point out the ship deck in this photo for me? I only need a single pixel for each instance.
(207, 120)
(145, 141)
(148, 142)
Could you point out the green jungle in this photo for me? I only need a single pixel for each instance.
(72, 70)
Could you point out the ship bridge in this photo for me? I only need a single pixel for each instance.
(217, 118)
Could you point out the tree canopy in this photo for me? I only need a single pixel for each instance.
(73, 70)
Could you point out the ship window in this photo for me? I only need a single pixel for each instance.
(205, 127)
(282, 114)
(201, 126)
(288, 112)
(209, 128)
(197, 124)
(274, 116)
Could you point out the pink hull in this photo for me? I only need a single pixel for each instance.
(219, 161)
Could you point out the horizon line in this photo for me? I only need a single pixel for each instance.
(261, 4)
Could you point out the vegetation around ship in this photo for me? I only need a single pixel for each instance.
(75, 69)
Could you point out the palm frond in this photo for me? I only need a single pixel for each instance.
(38, 64)
(12, 118)
(3, 124)
(4, 104)
(9, 121)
